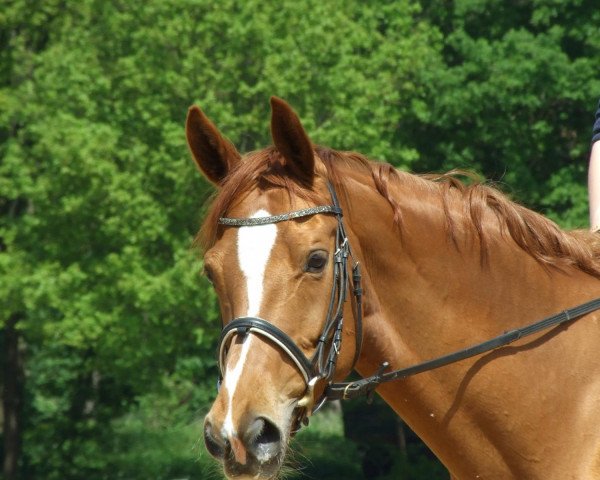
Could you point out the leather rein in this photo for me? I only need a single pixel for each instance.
(321, 366)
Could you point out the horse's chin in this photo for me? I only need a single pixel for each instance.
(254, 468)
(255, 471)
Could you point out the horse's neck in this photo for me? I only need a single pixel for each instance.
(425, 297)
(418, 271)
(426, 281)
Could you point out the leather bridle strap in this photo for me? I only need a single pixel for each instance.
(366, 386)
(255, 221)
(243, 326)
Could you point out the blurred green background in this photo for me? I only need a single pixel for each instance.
(107, 332)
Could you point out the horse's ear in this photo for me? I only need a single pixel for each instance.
(291, 140)
(214, 154)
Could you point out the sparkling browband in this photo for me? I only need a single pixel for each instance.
(251, 222)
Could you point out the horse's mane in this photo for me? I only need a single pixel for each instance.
(533, 233)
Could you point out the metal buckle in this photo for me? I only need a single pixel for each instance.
(342, 251)
(308, 400)
(345, 395)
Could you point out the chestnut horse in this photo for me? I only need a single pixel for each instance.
(444, 266)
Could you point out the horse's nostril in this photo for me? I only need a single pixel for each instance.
(264, 439)
(214, 443)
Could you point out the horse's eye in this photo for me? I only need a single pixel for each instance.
(316, 261)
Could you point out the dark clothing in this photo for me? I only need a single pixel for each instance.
(596, 130)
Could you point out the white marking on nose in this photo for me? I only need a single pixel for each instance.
(230, 382)
(254, 249)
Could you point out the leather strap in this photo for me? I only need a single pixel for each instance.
(366, 386)
(244, 325)
(253, 222)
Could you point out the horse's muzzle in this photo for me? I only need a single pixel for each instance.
(255, 452)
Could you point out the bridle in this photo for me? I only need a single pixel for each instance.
(321, 366)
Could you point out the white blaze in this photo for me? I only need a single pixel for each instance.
(254, 249)
(229, 382)
(254, 245)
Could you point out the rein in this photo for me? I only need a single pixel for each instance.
(321, 366)
(366, 386)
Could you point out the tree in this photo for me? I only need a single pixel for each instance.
(97, 220)
(514, 98)
(100, 201)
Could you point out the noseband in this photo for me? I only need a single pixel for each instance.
(321, 366)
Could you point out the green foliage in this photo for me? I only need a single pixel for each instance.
(321, 451)
(99, 201)
(157, 440)
(416, 466)
(99, 205)
(514, 97)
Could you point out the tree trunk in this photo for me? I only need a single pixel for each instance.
(12, 398)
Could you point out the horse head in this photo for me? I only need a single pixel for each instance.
(276, 253)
